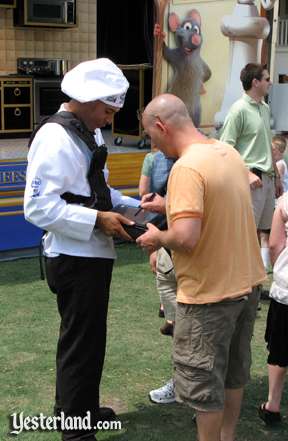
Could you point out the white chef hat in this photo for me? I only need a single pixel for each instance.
(95, 80)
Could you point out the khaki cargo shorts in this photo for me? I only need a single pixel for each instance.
(211, 350)
(263, 201)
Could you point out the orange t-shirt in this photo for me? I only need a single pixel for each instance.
(210, 182)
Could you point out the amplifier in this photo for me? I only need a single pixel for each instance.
(42, 67)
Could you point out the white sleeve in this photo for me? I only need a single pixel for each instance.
(54, 167)
(118, 198)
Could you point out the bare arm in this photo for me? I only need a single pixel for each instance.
(277, 239)
(152, 261)
(281, 169)
(183, 235)
(144, 185)
(278, 182)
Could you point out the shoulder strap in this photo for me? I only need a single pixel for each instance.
(69, 121)
(100, 193)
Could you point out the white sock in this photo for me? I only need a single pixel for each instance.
(266, 258)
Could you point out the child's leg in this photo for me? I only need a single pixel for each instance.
(276, 383)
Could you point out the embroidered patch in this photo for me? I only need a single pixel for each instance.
(35, 184)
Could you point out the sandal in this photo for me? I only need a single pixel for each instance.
(269, 418)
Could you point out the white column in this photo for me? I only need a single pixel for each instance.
(245, 30)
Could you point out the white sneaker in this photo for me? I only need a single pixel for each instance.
(164, 394)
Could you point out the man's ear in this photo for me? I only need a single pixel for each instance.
(255, 82)
(161, 126)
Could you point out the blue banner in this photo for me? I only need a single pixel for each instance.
(12, 175)
(15, 232)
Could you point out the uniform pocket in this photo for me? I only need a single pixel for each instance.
(192, 347)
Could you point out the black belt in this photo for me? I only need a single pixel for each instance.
(257, 172)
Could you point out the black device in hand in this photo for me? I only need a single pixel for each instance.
(140, 217)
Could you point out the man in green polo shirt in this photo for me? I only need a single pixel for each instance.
(247, 128)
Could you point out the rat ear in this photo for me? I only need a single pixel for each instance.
(173, 21)
(195, 16)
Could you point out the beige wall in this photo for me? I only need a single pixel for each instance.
(74, 45)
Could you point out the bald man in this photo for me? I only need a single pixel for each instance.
(212, 235)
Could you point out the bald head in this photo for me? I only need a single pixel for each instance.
(169, 108)
(167, 122)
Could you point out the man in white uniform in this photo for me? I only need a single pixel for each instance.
(66, 195)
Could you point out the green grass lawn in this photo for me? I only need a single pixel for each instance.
(138, 357)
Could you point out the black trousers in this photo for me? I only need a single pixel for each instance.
(82, 288)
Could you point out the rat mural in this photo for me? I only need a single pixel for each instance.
(190, 71)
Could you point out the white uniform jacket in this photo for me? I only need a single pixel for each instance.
(58, 162)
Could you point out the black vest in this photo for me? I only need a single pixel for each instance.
(100, 198)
